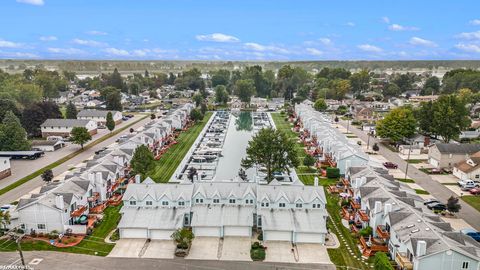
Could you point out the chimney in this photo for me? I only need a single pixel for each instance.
(421, 248)
(315, 181)
(387, 208)
(137, 179)
(91, 177)
(59, 203)
(378, 207)
(347, 164)
(426, 141)
(363, 180)
(98, 178)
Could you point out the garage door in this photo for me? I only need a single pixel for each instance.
(434, 162)
(133, 233)
(277, 236)
(310, 238)
(236, 231)
(207, 231)
(160, 234)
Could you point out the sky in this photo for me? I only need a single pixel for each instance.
(278, 30)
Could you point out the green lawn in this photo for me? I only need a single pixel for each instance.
(474, 201)
(168, 163)
(405, 180)
(416, 161)
(286, 127)
(421, 191)
(93, 244)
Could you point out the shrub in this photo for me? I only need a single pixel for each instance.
(308, 161)
(381, 262)
(257, 252)
(183, 238)
(366, 231)
(375, 147)
(333, 172)
(260, 237)
(256, 245)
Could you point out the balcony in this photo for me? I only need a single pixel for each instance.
(79, 211)
(371, 245)
(363, 216)
(354, 204)
(403, 261)
(382, 232)
(95, 196)
(345, 182)
(347, 214)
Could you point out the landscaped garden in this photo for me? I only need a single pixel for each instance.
(92, 244)
(168, 163)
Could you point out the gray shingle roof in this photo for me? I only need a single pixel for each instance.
(94, 113)
(65, 123)
(451, 148)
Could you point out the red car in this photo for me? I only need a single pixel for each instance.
(390, 165)
(475, 191)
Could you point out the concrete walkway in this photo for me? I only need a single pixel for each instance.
(439, 191)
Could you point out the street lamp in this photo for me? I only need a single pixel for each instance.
(368, 138)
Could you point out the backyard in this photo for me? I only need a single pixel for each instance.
(168, 163)
(93, 244)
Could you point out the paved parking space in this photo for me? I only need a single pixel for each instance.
(444, 178)
(127, 248)
(313, 253)
(160, 249)
(456, 189)
(236, 249)
(279, 251)
(204, 248)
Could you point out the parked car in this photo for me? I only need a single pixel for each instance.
(437, 206)
(390, 165)
(6, 207)
(475, 191)
(467, 184)
(430, 201)
(100, 150)
(125, 118)
(472, 233)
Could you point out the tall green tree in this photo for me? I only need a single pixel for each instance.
(71, 112)
(320, 105)
(360, 81)
(7, 105)
(450, 117)
(115, 79)
(245, 89)
(4, 219)
(47, 176)
(272, 149)
(142, 161)
(424, 114)
(196, 115)
(112, 97)
(12, 135)
(431, 86)
(221, 94)
(220, 77)
(109, 122)
(398, 124)
(80, 135)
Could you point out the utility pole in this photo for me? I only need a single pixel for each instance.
(348, 125)
(408, 158)
(17, 237)
(368, 139)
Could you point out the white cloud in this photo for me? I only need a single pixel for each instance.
(90, 43)
(97, 33)
(48, 38)
(325, 41)
(140, 52)
(398, 27)
(475, 22)
(385, 19)
(9, 44)
(68, 51)
(263, 48)
(416, 41)
(217, 37)
(369, 48)
(468, 47)
(20, 55)
(313, 51)
(351, 24)
(469, 35)
(32, 2)
(116, 52)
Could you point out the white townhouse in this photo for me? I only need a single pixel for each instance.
(63, 127)
(99, 116)
(5, 169)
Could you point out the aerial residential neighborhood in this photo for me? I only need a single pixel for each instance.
(240, 135)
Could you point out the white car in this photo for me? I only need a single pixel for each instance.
(467, 184)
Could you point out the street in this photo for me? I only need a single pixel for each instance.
(57, 260)
(436, 189)
(30, 166)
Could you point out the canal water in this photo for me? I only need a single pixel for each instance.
(240, 131)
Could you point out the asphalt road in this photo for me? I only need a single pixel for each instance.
(56, 260)
(439, 191)
(29, 186)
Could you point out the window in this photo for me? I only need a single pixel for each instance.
(216, 200)
(465, 265)
(249, 201)
(232, 201)
(181, 203)
(316, 205)
(281, 204)
(477, 176)
(22, 226)
(165, 203)
(298, 205)
(149, 202)
(133, 202)
(199, 200)
(41, 226)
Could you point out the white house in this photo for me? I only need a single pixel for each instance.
(5, 170)
(63, 127)
(468, 168)
(47, 146)
(99, 116)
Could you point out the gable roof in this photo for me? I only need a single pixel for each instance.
(452, 148)
(64, 123)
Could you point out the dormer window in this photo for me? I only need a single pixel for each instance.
(199, 200)
(232, 201)
(282, 205)
(149, 203)
(181, 203)
(298, 205)
(133, 202)
(164, 203)
(216, 200)
(316, 205)
(249, 201)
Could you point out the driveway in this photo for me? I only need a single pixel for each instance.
(204, 248)
(160, 249)
(236, 249)
(279, 251)
(313, 253)
(439, 191)
(127, 248)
